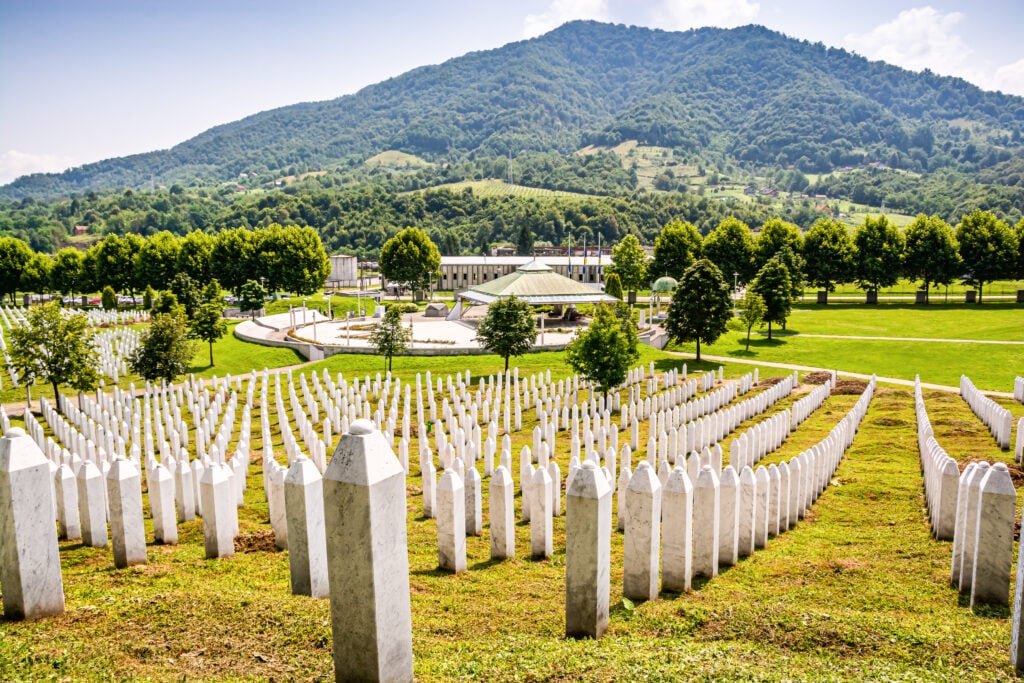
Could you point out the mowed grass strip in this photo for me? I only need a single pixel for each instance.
(991, 367)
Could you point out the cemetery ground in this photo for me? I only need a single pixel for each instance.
(859, 590)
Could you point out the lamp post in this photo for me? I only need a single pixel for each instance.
(735, 291)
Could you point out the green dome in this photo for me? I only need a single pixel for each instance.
(664, 284)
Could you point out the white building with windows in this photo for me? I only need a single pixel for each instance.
(463, 272)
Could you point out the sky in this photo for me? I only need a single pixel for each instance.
(86, 80)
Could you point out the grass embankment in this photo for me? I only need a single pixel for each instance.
(858, 591)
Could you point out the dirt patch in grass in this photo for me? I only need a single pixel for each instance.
(770, 381)
(891, 422)
(819, 377)
(1016, 472)
(847, 387)
(256, 542)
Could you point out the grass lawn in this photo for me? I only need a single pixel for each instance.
(993, 367)
(1000, 322)
(858, 591)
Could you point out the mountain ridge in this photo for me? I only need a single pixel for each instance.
(749, 96)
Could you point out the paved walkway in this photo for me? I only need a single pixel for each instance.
(809, 368)
(905, 339)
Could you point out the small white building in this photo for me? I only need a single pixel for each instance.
(344, 271)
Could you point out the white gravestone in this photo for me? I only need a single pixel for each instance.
(502, 515)
(364, 504)
(642, 535)
(127, 529)
(307, 539)
(30, 574)
(588, 524)
(677, 532)
(451, 522)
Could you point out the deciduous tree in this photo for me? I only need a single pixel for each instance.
(775, 235)
(251, 297)
(411, 259)
(165, 350)
(390, 336)
(828, 250)
(157, 261)
(932, 253)
(54, 347)
(773, 286)
(14, 257)
(508, 328)
(878, 261)
(988, 248)
(604, 352)
(675, 249)
(206, 324)
(730, 246)
(629, 262)
(700, 308)
(752, 313)
(66, 274)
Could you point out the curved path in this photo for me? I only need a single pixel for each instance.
(903, 339)
(810, 368)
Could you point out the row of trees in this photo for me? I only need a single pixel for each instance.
(288, 258)
(981, 249)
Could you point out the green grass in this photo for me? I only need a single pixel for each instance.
(1000, 322)
(500, 188)
(954, 294)
(993, 370)
(858, 591)
(992, 367)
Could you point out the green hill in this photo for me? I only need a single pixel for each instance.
(745, 97)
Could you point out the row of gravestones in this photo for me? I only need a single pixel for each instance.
(364, 504)
(977, 510)
(940, 472)
(707, 523)
(998, 419)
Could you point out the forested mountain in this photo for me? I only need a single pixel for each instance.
(748, 97)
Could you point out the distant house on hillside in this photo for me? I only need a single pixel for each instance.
(81, 229)
(749, 189)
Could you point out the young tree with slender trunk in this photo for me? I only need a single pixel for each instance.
(508, 328)
(772, 285)
(700, 308)
(604, 352)
(752, 314)
(390, 336)
(206, 324)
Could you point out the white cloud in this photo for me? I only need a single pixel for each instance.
(924, 37)
(14, 164)
(918, 38)
(1010, 78)
(561, 11)
(680, 15)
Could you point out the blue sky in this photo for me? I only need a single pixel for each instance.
(85, 80)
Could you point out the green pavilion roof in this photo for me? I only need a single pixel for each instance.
(537, 284)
